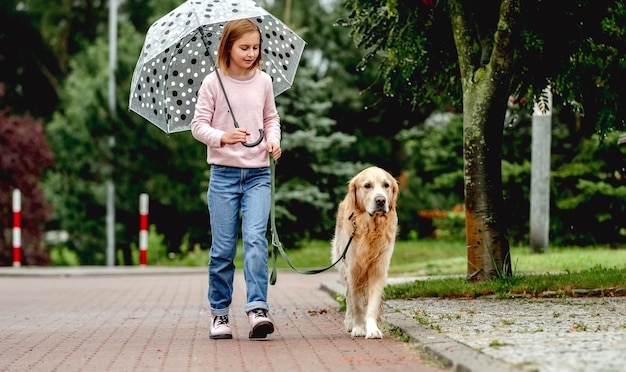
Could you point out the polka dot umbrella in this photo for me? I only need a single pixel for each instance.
(181, 48)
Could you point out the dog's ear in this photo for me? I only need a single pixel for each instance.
(395, 188)
(351, 197)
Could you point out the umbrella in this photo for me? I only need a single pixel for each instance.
(180, 50)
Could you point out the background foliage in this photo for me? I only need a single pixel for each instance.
(338, 118)
(587, 182)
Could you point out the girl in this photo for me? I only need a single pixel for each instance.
(240, 174)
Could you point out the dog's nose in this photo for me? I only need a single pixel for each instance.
(380, 201)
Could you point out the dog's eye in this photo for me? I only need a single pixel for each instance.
(386, 185)
(367, 185)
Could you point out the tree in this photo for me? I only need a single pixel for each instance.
(475, 55)
(172, 169)
(144, 159)
(28, 68)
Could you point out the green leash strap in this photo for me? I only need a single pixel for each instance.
(276, 244)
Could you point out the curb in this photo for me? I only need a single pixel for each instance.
(97, 270)
(456, 356)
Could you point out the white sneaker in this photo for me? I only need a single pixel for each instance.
(260, 324)
(220, 328)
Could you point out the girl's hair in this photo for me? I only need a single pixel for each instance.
(233, 31)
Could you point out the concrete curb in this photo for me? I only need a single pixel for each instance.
(455, 355)
(98, 270)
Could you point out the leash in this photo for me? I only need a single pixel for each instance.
(278, 247)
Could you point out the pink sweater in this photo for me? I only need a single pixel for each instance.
(253, 103)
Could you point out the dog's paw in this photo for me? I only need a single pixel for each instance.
(374, 333)
(347, 323)
(357, 332)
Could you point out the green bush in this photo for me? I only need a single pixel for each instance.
(61, 255)
(588, 192)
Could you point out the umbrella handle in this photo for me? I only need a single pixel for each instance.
(255, 142)
(261, 134)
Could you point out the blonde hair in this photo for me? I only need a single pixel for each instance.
(233, 31)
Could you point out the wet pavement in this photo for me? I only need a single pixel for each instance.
(144, 319)
(157, 319)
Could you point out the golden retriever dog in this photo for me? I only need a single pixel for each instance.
(367, 215)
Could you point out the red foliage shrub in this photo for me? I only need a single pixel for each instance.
(24, 156)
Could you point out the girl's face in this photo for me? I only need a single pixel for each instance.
(244, 52)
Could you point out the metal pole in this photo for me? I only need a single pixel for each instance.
(540, 176)
(110, 219)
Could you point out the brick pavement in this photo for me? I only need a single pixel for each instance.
(110, 319)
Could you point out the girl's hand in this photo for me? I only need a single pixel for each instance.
(236, 136)
(274, 149)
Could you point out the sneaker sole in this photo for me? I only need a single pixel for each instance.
(220, 337)
(261, 330)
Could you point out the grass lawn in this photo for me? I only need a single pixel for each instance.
(432, 257)
(561, 272)
(442, 266)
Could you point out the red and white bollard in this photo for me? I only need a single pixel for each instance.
(143, 229)
(17, 228)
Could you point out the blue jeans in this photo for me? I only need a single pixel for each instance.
(235, 192)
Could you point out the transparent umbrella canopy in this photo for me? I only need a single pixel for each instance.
(180, 49)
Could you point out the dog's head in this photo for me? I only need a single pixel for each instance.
(373, 190)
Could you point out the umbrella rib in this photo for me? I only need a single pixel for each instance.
(166, 88)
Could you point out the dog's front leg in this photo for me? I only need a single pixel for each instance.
(374, 307)
(354, 311)
(347, 322)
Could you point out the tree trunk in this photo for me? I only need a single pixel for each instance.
(486, 86)
(487, 242)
